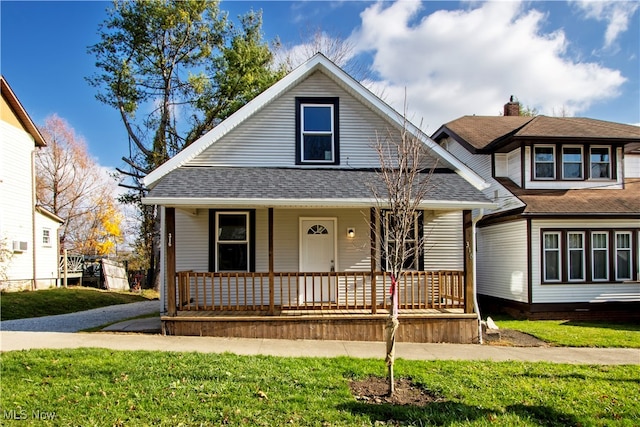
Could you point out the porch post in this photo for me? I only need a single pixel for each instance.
(467, 226)
(271, 275)
(170, 250)
(372, 244)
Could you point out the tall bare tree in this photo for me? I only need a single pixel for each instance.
(71, 184)
(404, 183)
(174, 70)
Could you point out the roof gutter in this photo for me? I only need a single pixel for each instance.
(303, 203)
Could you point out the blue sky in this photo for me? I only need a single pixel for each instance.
(450, 58)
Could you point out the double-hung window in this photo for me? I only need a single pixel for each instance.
(544, 162)
(600, 255)
(551, 261)
(623, 256)
(576, 256)
(46, 237)
(600, 159)
(392, 234)
(317, 131)
(232, 241)
(571, 162)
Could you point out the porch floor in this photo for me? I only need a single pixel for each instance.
(416, 325)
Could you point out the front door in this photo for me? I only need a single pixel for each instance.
(317, 255)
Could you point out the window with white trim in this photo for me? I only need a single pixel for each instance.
(551, 265)
(599, 256)
(623, 256)
(232, 241)
(544, 162)
(46, 237)
(576, 256)
(317, 140)
(571, 162)
(600, 161)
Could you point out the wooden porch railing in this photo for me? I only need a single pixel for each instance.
(316, 291)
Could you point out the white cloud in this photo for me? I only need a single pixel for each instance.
(615, 13)
(460, 62)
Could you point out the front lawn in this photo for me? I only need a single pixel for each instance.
(22, 305)
(567, 333)
(104, 387)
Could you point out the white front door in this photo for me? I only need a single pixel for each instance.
(317, 255)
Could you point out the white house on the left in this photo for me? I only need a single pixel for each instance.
(28, 233)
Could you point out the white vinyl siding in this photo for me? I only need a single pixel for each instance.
(192, 240)
(443, 247)
(573, 292)
(502, 261)
(17, 206)
(515, 166)
(481, 164)
(269, 138)
(47, 256)
(632, 165)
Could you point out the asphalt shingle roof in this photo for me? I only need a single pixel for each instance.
(580, 201)
(482, 131)
(296, 184)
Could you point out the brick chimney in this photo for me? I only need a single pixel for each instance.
(512, 108)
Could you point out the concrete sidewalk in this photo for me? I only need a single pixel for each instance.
(10, 341)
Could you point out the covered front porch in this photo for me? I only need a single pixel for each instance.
(434, 305)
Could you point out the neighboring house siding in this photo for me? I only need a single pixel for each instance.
(481, 164)
(47, 255)
(16, 193)
(502, 261)
(514, 166)
(443, 241)
(268, 139)
(578, 292)
(632, 165)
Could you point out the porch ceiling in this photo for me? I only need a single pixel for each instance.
(198, 186)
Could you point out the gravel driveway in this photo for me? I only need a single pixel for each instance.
(74, 322)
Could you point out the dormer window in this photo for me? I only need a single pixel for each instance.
(317, 138)
(544, 162)
(600, 163)
(571, 162)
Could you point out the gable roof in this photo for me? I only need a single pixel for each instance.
(301, 187)
(491, 133)
(21, 113)
(321, 63)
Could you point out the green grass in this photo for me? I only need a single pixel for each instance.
(103, 387)
(565, 333)
(22, 305)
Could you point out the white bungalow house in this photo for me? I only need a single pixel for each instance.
(28, 233)
(564, 241)
(269, 227)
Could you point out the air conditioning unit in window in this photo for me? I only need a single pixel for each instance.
(19, 246)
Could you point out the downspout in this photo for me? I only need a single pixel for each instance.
(33, 219)
(474, 221)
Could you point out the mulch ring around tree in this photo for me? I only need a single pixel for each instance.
(375, 390)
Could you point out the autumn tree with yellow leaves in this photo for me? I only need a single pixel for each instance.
(71, 184)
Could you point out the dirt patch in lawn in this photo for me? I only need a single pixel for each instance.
(375, 390)
(511, 338)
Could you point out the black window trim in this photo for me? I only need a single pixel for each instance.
(213, 241)
(300, 101)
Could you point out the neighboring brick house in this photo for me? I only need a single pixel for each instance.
(564, 241)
